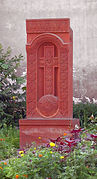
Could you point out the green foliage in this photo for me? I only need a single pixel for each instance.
(84, 111)
(47, 163)
(11, 101)
(34, 166)
(82, 162)
(9, 142)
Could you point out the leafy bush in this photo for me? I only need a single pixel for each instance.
(84, 111)
(12, 103)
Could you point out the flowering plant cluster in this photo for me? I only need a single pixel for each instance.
(12, 102)
(70, 156)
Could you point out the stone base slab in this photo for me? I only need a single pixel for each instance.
(32, 129)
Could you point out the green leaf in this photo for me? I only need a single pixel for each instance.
(4, 66)
(24, 88)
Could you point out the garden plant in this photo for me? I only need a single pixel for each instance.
(12, 102)
(9, 142)
(73, 156)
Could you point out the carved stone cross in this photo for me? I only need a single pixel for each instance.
(49, 62)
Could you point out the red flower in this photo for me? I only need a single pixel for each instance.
(70, 142)
(58, 139)
(76, 130)
(61, 143)
(94, 135)
(53, 140)
(67, 151)
(2, 139)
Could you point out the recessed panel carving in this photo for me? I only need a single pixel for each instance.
(48, 105)
(47, 76)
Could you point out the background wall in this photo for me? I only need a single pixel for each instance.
(83, 16)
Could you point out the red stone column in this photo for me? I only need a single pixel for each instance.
(49, 81)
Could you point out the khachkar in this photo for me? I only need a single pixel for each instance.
(49, 80)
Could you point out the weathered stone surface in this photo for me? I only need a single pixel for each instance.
(49, 67)
(49, 80)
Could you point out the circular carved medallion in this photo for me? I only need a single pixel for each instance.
(48, 105)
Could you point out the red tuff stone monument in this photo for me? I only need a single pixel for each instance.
(49, 80)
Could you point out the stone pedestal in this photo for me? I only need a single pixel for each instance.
(32, 129)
